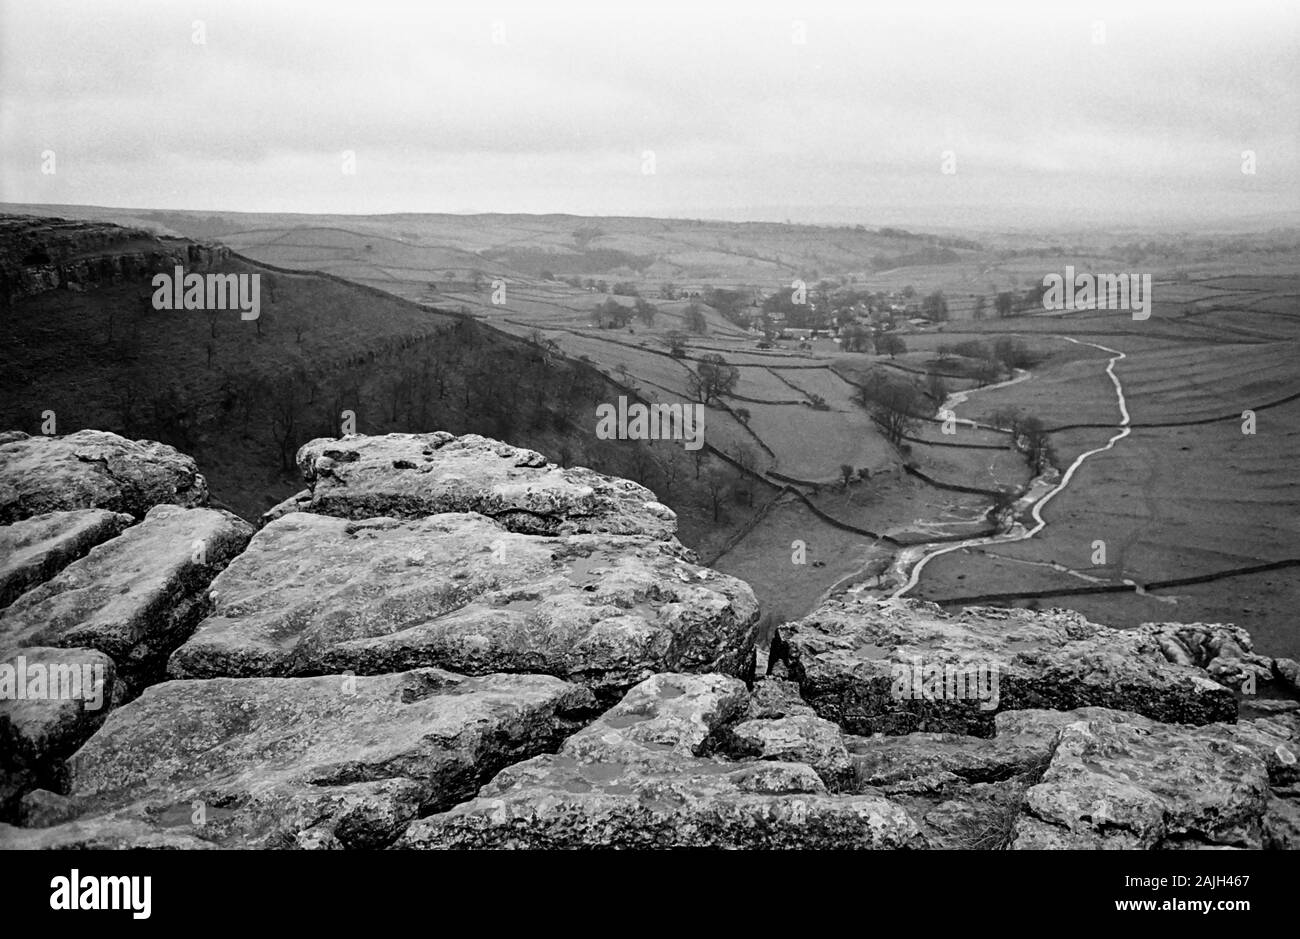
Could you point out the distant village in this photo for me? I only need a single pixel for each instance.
(845, 314)
(854, 317)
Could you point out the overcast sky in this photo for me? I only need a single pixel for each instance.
(802, 110)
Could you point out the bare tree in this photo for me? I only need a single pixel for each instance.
(640, 462)
(894, 407)
(1035, 444)
(936, 387)
(747, 460)
(676, 343)
(712, 379)
(694, 319)
(283, 416)
(671, 470)
(645, 311)
(890, 344)
(715, 484)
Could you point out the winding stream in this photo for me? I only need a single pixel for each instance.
(1041, 491)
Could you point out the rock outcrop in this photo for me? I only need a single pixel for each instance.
(51, 701)
(414, 475)
(35, 549)
(448, 642)
(135, 597)
(459, 591)
(39, 254)
(895, 668)
(636, 778)
(122, 608)
(333, 761)
(1225, 652)
(1118, 780)
(93, 469)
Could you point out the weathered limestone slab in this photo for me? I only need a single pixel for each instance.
(35, 549)
(1119, 780)
(634, 779)
(332, 761)
(93, 469)
(314, 594)
(51, 701)
(904, 666)
(414, 475)
(134, 597)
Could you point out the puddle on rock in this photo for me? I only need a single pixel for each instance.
(603, 772)
(868, 651)
(583, 569)
(520, 604)
(715, 768)
(182, 815)
(619, 721)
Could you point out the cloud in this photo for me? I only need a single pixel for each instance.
(531, 109)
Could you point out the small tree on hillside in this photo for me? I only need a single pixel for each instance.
(935, 307)
(747, 460)
(890, 344)
(1012, 353)
(855, 338)
(715, 484)
(1007, 419)
(712, 378)
(1003, 503)
(645, 311)
(1035, 444)
(895, 407)
(936, 386)
(694, 319)
(611, 314)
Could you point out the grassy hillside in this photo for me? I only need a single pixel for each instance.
(241, 396)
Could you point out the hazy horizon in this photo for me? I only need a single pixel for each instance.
(937, 115)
